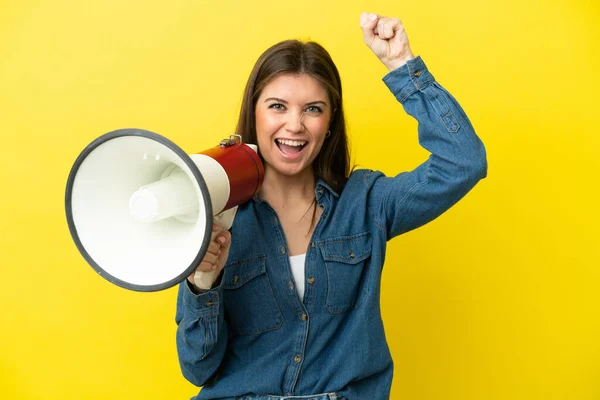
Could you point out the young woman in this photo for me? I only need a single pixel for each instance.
(294, 311)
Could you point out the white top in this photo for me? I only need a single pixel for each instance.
(297, 264)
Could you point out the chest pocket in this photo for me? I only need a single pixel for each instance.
(345, 258)
(249, 298)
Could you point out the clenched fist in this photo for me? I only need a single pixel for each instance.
(387, 39)
(214, 260)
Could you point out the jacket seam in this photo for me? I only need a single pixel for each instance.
(373, 215)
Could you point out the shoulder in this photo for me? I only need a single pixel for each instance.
(362, 179)
(359, 186)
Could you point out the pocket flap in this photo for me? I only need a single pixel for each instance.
(238, 273)
(347, 249)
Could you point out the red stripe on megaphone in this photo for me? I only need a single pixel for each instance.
(244, 170)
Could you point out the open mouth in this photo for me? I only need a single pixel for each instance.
(290, 146)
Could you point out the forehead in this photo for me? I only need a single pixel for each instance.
(295, 87)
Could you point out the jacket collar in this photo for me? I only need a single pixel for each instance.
(321, 184)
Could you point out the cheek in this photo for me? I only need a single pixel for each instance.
(319, 146)
(319, 128)
(260, 127)
(265, 127)
(266, 124)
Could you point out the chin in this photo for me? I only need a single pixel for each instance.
(290, 172)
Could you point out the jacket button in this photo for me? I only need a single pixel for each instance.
(304, 317)
(282, 250)
(418, 74)
(312, 245)
(291, 285)
(351, 254)
(320, 190)
(236, 279)
(297, 359)
(311, 280)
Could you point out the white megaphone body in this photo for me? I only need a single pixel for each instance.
(141, 210)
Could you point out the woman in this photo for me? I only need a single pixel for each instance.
(295, 311)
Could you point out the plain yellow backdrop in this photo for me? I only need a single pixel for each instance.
(497, 299)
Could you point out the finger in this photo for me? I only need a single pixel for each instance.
(389, 28)
(224, 238)
(219, 269)
(206, 266)
(213, 247)
(224, 253)
(211, 258)
(368, 22)
(380, 31)
(383, 28)
(400, 40)
(398, 25)
(221, 261)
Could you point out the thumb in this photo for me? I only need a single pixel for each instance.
(368, 22)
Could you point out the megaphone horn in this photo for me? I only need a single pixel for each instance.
(140, 210)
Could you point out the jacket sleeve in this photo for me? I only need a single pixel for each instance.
(456, 163)
(201, 333)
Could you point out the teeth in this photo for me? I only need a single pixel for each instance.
(295, 143)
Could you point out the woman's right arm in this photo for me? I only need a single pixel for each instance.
(201, 332)
(201, 328)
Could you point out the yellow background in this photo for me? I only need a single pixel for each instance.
(497, 299)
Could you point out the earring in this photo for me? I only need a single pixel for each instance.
(327, 134)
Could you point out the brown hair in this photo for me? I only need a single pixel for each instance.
(332, 164)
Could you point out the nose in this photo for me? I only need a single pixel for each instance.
(295, 122)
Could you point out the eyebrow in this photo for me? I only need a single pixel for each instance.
(285, 102)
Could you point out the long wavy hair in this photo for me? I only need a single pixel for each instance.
(332, 164)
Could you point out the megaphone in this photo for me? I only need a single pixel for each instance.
(140, 210)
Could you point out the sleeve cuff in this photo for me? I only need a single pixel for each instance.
(408, 79)
(206, 304)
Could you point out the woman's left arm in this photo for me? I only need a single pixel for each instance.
(457, 161)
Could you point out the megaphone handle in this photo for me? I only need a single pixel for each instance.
(225, 218)
(204, 279)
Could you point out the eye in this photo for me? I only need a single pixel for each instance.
(314, 109)
(277, 106)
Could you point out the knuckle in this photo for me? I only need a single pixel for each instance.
(204, 267)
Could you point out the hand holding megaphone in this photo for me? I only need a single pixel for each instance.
(214, 260)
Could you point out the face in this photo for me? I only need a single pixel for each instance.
(292, 118)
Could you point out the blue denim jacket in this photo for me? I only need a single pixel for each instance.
(252, 333)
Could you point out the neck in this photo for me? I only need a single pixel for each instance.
(281, 190)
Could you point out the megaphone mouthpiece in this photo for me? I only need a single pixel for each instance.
(172, 196)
